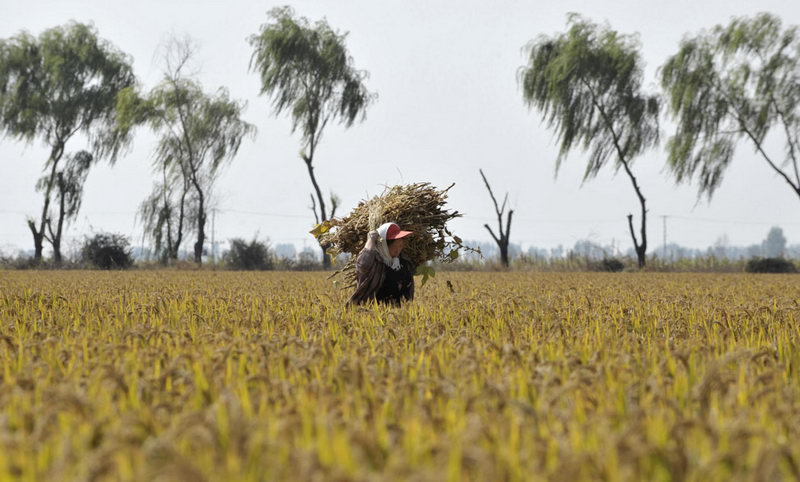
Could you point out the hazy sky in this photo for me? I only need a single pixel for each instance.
(449, 103)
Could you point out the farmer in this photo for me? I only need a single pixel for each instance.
(382, 274)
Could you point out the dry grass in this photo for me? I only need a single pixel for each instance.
(420, 208)
(263, 376)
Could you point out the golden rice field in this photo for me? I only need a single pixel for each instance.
(510, 376)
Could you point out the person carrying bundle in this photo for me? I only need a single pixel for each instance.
(383, 257)
(383, 273)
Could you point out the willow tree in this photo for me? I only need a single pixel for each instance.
(199, 134)
(733, 83)
(53, 87)
(306, 69)
(587, 85)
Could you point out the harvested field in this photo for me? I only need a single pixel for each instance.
(511, 376)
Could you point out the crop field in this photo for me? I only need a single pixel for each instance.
(496, 376)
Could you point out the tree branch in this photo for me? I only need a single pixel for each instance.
(313, 208)
(508, 225)
(789, 139)
(52, 236)
(55, 155)
(633, 234)
(308, 160)
(738, 116)
(503, 206)
(492, 233)
(489, 188)
(766, 157)
(610, 126)
(334, 204)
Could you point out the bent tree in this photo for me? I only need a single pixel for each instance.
(53, 87)
(738, 82)
(306, 69)
(586, 83)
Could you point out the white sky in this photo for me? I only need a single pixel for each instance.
(449, 103)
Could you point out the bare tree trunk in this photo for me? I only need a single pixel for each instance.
(57, 258)
(326, 260)
(201, 225)
(173, 250)
(55, 237)
(641, 250)
(507, 239)
(504, 234)
(639, 247)
(38, 241)
(172, 253)
(198, 245)
(504, 255)
(39, 234)
(167, 254)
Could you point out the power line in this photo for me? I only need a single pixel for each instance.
(262, 213)
(93, 213)
(475, 218)
(731, 221)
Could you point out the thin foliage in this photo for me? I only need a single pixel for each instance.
(586, 83)
(64, 82)
(307, 71)
(734, 83)
(199, 133)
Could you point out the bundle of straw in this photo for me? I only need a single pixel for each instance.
(419, 208)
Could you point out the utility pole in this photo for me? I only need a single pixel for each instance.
(664, 226)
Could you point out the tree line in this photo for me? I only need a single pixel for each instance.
(733, 84)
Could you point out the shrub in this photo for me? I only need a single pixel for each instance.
(254, 255)
(19, 262)
(770, 265)
(107, 251)
(308, 261)
(611, 265)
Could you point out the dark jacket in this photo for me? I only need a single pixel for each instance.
(376, 281)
